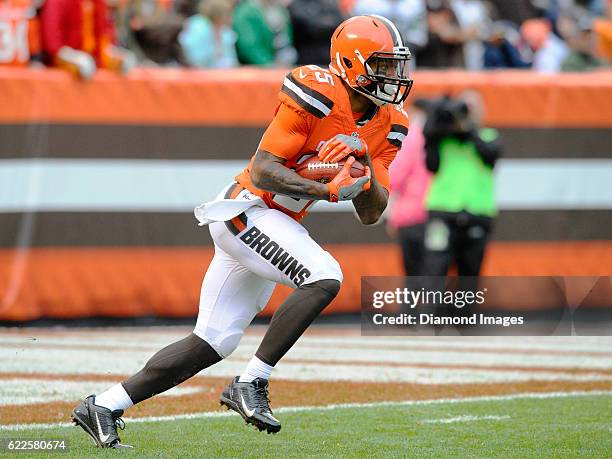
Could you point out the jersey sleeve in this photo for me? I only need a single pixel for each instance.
(309, 88)
(305, 96)
(287, 133)
(399, 127)
(381, 161)
(380, 166)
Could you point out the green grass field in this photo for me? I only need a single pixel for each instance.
(570, 427)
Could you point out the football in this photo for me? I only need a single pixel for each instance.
(315, 169)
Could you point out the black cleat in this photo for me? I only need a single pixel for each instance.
(100, 423)
(250, 400)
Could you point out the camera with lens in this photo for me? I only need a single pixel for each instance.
(448, 117)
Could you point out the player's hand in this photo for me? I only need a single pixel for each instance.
(344, 187)
(340, 146)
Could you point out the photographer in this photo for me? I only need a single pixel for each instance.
(461, 155)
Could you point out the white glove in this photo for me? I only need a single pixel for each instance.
(83, 62)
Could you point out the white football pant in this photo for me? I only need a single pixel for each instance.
(264, 248)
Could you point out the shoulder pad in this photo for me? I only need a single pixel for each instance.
(310, 87)
(398, 128)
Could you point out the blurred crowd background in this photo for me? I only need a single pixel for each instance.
(83, 35)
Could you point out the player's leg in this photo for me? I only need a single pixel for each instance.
(99, 415)
(278, 248)
(314, 274)
(248, 393)
(230, 297)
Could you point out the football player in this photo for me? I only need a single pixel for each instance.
(353, 109)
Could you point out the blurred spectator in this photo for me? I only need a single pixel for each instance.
(500, 51)
(207, 38)
(118, 14)
(263, 33)
(19, 32)
(154, 28)
(551, 10)
(277, 17)
(603, 28)
(583, 47)
(596, 7)
(409, 16)
(473, 18)
(77, 35)
(186, 8)
(549, 50)
(409, 184)
(516, 11)
(444, 46)
(313, 22)
(566, 22)
(346, 7)
(461, 154)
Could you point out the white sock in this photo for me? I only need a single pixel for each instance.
(115, 398)
(256, 369)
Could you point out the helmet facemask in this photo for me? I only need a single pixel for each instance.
(387, 76)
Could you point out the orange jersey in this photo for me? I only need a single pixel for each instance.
(19, 32)
(314, 107)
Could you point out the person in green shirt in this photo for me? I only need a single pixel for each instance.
(263, 33)
(461, 203)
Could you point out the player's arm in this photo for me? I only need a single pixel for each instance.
(371, 204)
(270, 174)
(284, 139)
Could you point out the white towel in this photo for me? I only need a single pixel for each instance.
(222, 209)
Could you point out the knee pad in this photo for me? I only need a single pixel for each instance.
(223, 342)
(329, 268)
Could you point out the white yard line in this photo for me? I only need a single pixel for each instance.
(465, 418)
(298, 409)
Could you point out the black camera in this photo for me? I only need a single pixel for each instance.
(447, 116)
